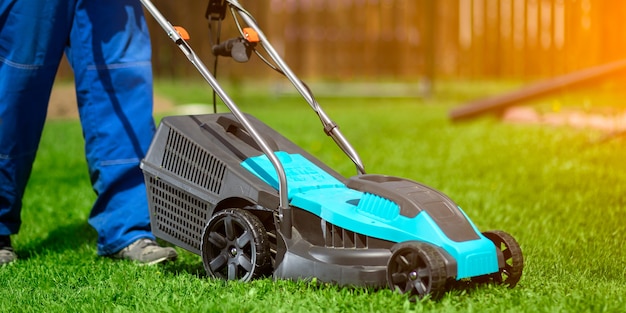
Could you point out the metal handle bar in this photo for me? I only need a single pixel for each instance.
(191, 55)
(329, 126)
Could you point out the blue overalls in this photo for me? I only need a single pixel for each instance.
(108, 46)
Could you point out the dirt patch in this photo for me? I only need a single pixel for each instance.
(63, 103)
(614, 122)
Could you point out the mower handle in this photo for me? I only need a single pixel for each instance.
(283, 206)
(330, 127)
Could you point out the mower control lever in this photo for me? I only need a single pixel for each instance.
(237, 48)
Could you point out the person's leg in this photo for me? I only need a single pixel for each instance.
(111, 56)
(33, 34)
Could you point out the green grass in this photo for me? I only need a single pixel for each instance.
(558, 191)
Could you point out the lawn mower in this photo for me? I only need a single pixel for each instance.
(253, 204)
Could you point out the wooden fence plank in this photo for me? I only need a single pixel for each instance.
(410, 39)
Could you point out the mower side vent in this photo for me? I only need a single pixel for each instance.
(188, 160)
(338, 237)
(177, 213)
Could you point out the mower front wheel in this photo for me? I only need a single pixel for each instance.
(511, 272)
(417, 269)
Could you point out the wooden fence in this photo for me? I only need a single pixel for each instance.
(409, 39)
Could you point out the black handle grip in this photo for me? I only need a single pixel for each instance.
(237, 48)
(224, 48)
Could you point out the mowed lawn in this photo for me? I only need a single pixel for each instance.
(560, 191)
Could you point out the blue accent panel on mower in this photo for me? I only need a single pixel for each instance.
(312, 189)
(302, 174)
(336, 205)
(382, 208)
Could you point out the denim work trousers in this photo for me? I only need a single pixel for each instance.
(108, 46)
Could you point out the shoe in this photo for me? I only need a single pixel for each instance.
(7, 255)
(147, 252)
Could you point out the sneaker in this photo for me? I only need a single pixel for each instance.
(7, 255)
(146, 251)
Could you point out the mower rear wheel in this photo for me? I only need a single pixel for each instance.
(417, 269)
(235, 246)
